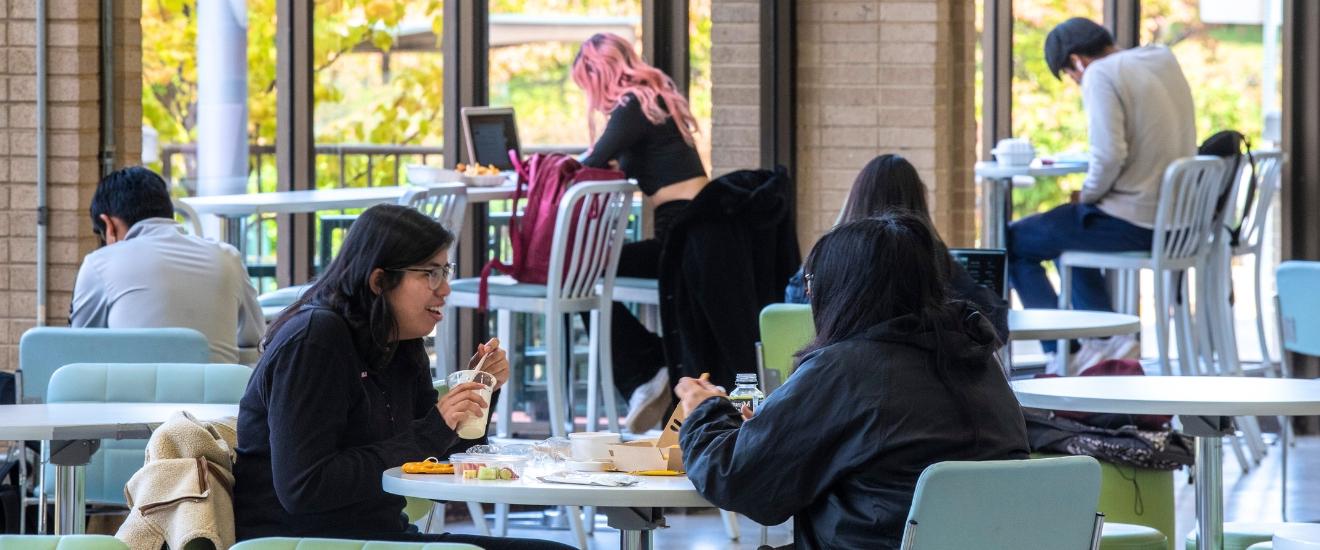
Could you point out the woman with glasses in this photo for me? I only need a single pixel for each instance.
(343, 392)
(883, 392)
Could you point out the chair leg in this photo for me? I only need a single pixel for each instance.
(504, 329)
(554, 362)
(501, 520)
(575, 521)
(604, 340)
(1265, 360)
(730, 524)
(479, 518)
(1162, 323)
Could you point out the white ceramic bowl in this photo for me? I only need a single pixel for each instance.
(592, 445)
(1014, 152)
(486, 181)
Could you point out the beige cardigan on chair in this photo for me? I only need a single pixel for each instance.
(184, 491)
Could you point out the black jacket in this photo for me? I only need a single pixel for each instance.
(840, 445)
(317, 426)
(728, 254)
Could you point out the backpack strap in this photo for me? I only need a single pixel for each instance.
(1235, 233)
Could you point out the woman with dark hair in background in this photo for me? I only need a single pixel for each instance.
(883, 392)
(890, 182)
(649, 135)
(343, 392)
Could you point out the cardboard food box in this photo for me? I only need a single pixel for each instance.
(652, 454)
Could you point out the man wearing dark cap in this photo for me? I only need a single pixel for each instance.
(1139, 119)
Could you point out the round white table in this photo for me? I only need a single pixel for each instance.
(997, 193)
(1297, 536)
(635, 511)
(1067, 324)
(74, 431)
(1205, 405)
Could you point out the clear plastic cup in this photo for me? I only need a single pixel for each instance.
(473, 427)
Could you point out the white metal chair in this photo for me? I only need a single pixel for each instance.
(1269, 173)
(445, 203)
(191, 222)
(1184, 223)
(589, 233)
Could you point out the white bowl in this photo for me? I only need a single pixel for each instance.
(1014, 152)
(592, 445)
(423, 174)
(589, 465)
(486, 181)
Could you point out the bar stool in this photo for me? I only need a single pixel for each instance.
(589, 233)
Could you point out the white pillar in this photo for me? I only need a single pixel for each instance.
(222, 115)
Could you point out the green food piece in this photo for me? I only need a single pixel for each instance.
(507, 474)
(487, 473)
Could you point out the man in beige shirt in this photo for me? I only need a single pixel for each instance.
(1140, 119)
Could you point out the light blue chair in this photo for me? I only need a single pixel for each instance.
(281, 543)
(57, 542)
(1040, 503)
(1298, 307)
(42, 350)
(117, 460)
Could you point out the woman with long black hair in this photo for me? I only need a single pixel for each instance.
(887, 388)
(343, 392)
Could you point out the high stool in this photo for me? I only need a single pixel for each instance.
(1123, 536)
(1239, 535)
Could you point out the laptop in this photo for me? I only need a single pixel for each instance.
(490, 133)
(987, 266)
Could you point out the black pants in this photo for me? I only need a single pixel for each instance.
(639, 353)
(488, 543)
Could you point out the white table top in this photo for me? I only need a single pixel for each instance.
(992, 170)
(302, 202)
(651, 492)
(1058, 324)
(1302, 535)
(51, 421)
(1181, 395)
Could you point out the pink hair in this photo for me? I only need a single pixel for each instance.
(607, 69)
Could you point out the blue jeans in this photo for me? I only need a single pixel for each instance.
(1045, 236)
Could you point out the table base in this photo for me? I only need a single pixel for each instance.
(70, 459)
(636, 526)
(1209, 432)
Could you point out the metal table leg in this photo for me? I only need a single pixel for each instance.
(636, 526)
(1209, 432)
(997, 202)
(70, 459)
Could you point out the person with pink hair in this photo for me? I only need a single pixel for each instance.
(648, 135)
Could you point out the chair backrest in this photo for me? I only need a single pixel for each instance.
(283, 543)
(785, 329)
(117, 460)
(1299, 306)
(60, 542)
(1039, 503)
(1185, 218)
(42, 350)
(190, 220)
(445, 203)
(589, 233)
(1269, 175)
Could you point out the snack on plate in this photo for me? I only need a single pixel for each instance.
(431, 465)
(479, 467)
(474, 170)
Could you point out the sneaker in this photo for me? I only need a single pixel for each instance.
(1096, 350)
(648, 403)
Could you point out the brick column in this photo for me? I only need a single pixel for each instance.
(882, 76)
(73, 120)
(735, 85)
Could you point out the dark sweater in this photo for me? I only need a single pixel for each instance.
(653, 154)
(840, 445)
(316, 429)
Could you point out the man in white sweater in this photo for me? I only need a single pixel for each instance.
(1140, 118)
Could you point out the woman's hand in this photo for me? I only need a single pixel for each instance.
(497, 364)
(691, 392)
(461, 403)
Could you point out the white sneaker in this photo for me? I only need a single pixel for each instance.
(648, 403)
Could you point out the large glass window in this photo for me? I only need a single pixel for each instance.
(699, 83)
(532, 45)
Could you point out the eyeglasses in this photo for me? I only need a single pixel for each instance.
(434, 275)
(807, 278)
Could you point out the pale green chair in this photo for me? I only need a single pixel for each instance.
(1240, 535)
(1123, 536)
(1262, 546)
(57, 542)
(1040, 503)
(785, 329)
(283, 543)
(1136, 496)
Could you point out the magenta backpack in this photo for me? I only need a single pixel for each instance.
(546, 177)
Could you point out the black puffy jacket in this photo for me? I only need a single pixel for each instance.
(840, 445)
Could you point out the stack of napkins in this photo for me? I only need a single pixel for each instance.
(590, 478)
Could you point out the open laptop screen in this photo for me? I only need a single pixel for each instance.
(986, 266)
(490, 132)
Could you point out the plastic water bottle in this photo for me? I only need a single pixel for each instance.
(746, 391)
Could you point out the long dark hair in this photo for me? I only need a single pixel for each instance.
(869, 271)
(388, 237)
(886, 183)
